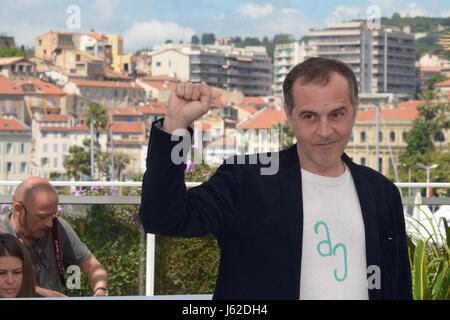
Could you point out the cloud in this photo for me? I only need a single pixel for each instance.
(255, 11)
(404, 8)
(148, 33)
(346, 13)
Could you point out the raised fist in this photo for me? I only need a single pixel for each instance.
(187, 103)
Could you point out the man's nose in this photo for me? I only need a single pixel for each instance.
(324, 130)
(49, 222)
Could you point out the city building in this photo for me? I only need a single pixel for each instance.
(15, 151)
(17, 68)
(80, 65)
(383, 60)
(286, 56)
(50, 44)
(121, 62)
(6, 41)
(11, 99)
(108, 93)
(395, 122)
(248, 70)
(53, 135)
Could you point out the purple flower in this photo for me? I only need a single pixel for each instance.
(61, 209)
(206, 174)
(77, 193)
(189, 166)
(96, 188)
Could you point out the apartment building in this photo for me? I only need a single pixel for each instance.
(243, 69)
(383, 60)
(15, 151)
(80, 64)
(11, 99)
(108, 93)
(6, 41)
(53, 135)
(50, 44)
(395, 122)
(17, 68)
(286, 56)
(121, 62)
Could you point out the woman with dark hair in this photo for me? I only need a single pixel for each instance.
(16, 270)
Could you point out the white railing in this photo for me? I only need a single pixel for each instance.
(136, 200)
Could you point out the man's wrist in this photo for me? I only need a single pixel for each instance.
(170, 125)
(103, 289)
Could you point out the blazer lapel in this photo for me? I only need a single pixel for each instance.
(367, 203)
(289, 179)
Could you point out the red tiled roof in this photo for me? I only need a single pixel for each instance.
(445, 83)
(160, 85)
(11, 125)
(206, 126)
(133, 142)
(162, 77)
(255, 100)
(155, 108)
(96, 36)
(136, 127)
(217, 100)
(109, 84)
(79, 128)
(123, 111)
(390, 114)
(45, 87)
(8, 86)
(247, 108)
(9, 60)
(410, 104)
(265, 119)
(54, 118)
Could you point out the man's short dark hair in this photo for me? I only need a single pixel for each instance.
(318, 70)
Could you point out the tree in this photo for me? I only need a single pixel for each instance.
(287, 137)
(12, 51)
(121, 160)
(195, 39)
(208, 38)
(98, 118)
(77, 162)
(435, 78)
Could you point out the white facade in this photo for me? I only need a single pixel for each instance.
(287, 56)
(383, 60)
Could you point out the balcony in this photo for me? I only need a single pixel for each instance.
(126, 194)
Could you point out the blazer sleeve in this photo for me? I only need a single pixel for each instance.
(168, 208)
(404, 284)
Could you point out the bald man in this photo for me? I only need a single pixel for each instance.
(31, 220)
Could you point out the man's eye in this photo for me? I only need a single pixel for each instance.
(337, 115)
(308, 116)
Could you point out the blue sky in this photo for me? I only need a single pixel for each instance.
(144, 23)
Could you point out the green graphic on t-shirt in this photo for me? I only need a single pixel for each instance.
(331, 250)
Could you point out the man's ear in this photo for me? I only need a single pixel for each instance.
(17, 208)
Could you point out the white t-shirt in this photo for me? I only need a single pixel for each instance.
(333, 251)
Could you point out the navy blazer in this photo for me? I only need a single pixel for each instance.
(258, 221)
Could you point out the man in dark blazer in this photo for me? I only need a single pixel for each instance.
(318, 227)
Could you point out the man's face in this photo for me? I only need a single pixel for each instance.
(37, 214)
(322, 120)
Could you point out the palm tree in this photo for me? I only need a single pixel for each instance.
(97, 118)
(77, 162)
(121, 160)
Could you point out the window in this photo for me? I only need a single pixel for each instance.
(439, 137)
(363, 161)
(392, 136)
(78, 57)
(380, 136)
(22, 148)
(9, 148)
(9, 167)
(55, 148)
(40, 42)
(23, 167)
(44, 161)
(65, 147)
(380, 164)
(352, 137)
(55, 162)
(44, 134)
(363, 136)
(158, 64)
(45, 147)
